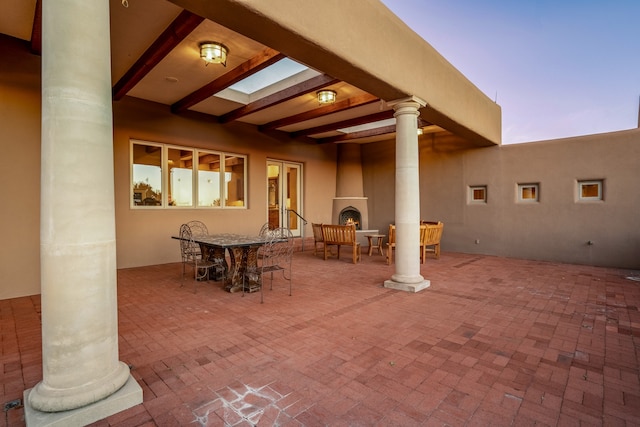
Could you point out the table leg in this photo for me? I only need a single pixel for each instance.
(234, 275)
(243, 259)
(252, 281)
(217, 255)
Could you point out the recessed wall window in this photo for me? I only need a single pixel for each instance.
(194, 178)
(528, 192)
(590, 190)
(478, 194)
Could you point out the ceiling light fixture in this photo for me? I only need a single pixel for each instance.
(326, 96)
(214, 53)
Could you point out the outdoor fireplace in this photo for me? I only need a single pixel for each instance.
(350, 215)
(350, 203)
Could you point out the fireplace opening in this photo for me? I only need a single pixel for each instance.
(350, 215)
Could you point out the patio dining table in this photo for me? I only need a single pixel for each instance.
(243, 256)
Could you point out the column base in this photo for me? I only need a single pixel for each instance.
(129, 395)
(407, 287)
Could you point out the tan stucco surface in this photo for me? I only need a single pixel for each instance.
(557, 228)
(144, 235)
(20, 194)
(329, 35)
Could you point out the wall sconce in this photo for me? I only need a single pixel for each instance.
(214, 53)
(326, 96)
(420, 131)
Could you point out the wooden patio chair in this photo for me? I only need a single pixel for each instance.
(317, 236)
(391, 244)
(430, 243)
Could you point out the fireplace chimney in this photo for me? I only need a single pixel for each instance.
(349, 185)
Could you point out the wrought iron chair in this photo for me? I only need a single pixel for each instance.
(264, 230)
(198, 228)
(192, 257)
(277, 255)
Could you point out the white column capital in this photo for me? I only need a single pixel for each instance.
(398, 103)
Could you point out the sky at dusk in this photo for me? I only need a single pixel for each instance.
(557, 68)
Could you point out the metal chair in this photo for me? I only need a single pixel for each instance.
(277, 255)
(264, 230)
(198, 228)
(192, 257)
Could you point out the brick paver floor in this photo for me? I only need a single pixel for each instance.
(493, 341)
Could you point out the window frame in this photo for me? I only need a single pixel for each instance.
(584, 182)
(473, 189)
(522, 186)
(165, 171)
(132, 190)
(167, 179)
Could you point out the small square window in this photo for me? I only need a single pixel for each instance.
(478, 194)
(528, 192)
(590, 190)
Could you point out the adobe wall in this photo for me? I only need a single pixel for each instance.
(143, 236)
(557, 228)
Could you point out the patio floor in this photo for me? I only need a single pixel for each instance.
(493, 341)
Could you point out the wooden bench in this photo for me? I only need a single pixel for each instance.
(340, 235)
(430, 239)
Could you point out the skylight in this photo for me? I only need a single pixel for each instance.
(279, 71)
(368, 126)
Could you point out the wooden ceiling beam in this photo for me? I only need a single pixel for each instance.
(180, 28)
(36, 30)
(371, 118)
(343, 105)
(259, 62)
(357, 135)
(302, 88)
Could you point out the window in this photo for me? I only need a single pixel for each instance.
(146, 174)
(194, 178)
(478, 194)
(234, 167)
(528, 193)
(590, 190)
(209, 173)
(180, 182)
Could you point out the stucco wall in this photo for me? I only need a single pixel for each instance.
(20, 172)
(143, 235)
(557, 228)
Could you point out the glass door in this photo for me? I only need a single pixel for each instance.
(284, 189)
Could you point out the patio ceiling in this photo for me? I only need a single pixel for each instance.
(155, 57)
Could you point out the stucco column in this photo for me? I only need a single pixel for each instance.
(407, 259)
(80, 363)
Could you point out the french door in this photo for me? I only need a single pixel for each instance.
(284, 189)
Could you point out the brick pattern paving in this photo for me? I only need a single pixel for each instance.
(493, 341)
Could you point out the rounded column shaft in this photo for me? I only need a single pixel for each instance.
(77, 231)
(407, 218)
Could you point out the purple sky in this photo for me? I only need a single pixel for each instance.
(557, 68)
